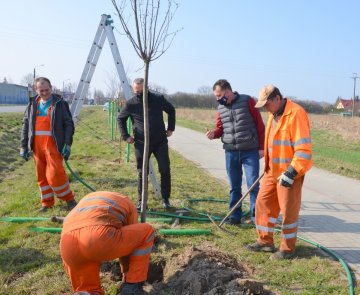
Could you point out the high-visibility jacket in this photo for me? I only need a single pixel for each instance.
(101, 208)
(291, 142)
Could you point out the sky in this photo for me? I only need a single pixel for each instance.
(309, 49)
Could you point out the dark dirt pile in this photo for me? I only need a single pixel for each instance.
(205, 270)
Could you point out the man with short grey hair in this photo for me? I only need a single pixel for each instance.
(158, 143)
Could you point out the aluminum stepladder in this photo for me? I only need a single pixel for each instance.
(105, 30)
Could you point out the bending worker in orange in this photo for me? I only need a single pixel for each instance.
(47, 130)
(287, 159)
(102, 227)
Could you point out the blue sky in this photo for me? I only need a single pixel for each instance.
(309, 49)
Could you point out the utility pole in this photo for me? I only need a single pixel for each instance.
(35, 70)
(355, 76)
(63, 89)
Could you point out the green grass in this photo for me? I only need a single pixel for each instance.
(333, 153)
(197, 126)
(10, 125)
(30, 262)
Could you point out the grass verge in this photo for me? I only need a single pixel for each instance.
(30, 262)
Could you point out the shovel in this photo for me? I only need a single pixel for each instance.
(243, 197)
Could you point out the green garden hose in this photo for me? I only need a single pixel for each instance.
(78, 177)
(23, 219)
(333, 254)
(167, 232)
(29, 219)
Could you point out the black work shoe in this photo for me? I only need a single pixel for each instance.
(232, 221)
(44, 209)
(166, 204)
(71, 204)
(279, 255)
(132, 289)
(256, 247)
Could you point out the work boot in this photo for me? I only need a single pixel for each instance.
(232, 221)
(44, 209)
(279, 255)
(132, 289)
(166, 204)
(71, 204)
(257, 247)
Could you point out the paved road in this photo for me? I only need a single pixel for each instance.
(20, 109)
(330, 203)
(12, 109)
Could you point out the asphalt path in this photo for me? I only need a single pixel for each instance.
(12, 109)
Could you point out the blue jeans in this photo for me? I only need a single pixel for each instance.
(234, 162)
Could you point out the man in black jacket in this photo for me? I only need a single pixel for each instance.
(158, 134)
(47, 130)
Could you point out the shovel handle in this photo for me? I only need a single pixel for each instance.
(243, 197)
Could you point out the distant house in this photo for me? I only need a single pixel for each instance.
(13, 94)
(346, 105)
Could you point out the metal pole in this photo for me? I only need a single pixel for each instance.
(353, 106)
(35, 70)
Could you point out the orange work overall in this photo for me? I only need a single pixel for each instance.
(103, 227)
(273, 199)
(51, 176)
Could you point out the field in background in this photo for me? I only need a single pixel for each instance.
(30, 262)
(336, 140)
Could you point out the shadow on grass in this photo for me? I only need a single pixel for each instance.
(18, 261)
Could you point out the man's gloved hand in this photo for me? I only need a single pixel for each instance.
(286, 178)
(66, 151)
(25, 154)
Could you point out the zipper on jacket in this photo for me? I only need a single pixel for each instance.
(52, 117)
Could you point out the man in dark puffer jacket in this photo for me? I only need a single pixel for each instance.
(241, 128)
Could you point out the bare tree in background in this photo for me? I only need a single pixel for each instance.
(113, 85)
(146, 23)
(207, 90)
(27, 80)
(158, 88)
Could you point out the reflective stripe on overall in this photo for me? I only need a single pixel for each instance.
(103, 227)
(273, 199)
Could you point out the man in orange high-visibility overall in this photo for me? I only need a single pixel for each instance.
(48, 131)
(102, 227)
(287, 158)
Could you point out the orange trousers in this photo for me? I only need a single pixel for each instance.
(271, 200)
(83, 250)
(51, 175)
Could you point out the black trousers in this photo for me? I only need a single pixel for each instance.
(161, 153)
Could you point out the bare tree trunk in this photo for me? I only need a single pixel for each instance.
(145, 165)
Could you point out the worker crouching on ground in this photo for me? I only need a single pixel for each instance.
(287, 159)
(47, 130)
(102, 227)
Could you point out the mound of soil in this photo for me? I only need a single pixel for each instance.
(205, 271)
